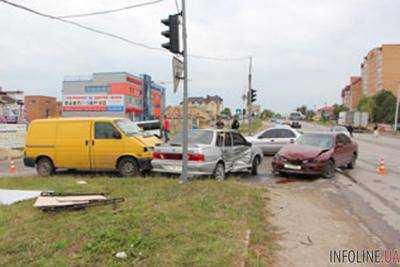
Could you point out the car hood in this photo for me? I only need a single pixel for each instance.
(301, 152)
(149, 141)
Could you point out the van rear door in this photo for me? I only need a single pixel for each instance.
(72, 144)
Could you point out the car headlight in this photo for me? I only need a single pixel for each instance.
(149, 149)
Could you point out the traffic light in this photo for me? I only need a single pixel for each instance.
(172, 22)
(253, 95)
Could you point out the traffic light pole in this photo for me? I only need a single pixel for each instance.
(184, 175)
(249, 103)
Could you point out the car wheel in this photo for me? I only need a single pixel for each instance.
(219, 172)
(254, 165)
(44, 167)
(352, 163)
(128, 167)
(329, 170)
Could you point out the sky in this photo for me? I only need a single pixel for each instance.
(304, 52)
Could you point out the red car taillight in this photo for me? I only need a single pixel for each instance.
(156, 155)
(196, 157)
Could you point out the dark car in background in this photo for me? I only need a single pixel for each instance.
(317, 154)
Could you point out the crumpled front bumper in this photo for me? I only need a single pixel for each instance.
(306, 168)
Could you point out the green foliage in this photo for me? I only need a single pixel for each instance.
(384, 108)
(227, 112)
(381, 107)
(366, 104)
(266, 114)
(337, 109)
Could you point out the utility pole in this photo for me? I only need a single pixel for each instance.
(396, 117)
(184, 175)
(249, 103)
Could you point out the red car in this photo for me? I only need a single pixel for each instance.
(317, 154)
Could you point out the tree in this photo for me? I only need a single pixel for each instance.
(302, 109)
(310, 114)
(366, 104)
(266, 113)
(380, 107)
(337, 109)
(227, 112)
(385, 107)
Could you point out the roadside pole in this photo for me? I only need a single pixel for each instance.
(396, 117)
(249, 104)
(184, 174)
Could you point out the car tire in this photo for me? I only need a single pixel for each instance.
(128, 167)
(352, 163)
(219, 172)
(45, 167)
(329, 170)
(254, 165)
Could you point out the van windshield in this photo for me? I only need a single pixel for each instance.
(128, 127)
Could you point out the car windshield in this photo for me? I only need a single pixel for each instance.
(128, 127)
(203, 137)
(324, 141)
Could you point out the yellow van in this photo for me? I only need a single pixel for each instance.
(88, 144)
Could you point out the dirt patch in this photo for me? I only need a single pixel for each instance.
(312, 220)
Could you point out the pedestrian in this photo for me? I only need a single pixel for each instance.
(376, 130)
(350, 129)
(235, 124)
(219, 124)
(166, 128)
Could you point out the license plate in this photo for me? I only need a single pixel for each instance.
(175, 168)
(292, 167)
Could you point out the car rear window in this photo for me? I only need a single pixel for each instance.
(203, 137)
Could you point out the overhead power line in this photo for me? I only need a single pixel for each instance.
(110, 10)
(80, 25)
(220, 58)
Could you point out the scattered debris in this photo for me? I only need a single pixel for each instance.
(55, 201)
(286, 180)
(309, 243)
(121, 255)
(8, 197)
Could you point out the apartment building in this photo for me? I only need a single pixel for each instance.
(380, 69)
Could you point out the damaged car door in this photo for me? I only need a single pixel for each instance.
(224, 140)
(241, 150)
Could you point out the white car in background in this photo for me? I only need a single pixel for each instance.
(150, 127)
(271, 140)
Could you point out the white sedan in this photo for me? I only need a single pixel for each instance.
(271, 140)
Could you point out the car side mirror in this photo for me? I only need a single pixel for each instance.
(117, 135)
(248, 144)
(292, 141)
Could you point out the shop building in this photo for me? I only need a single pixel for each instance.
(116, 94)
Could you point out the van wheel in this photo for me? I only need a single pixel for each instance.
(219, 172)
(128, 167)
(44, 167)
